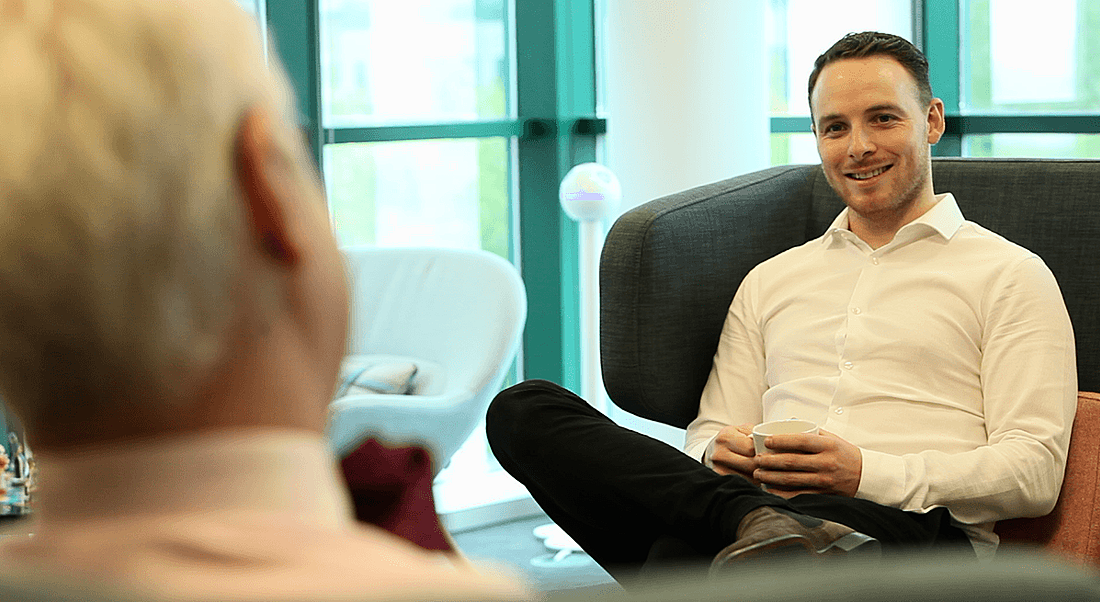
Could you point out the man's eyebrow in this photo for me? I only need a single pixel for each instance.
(872, 109)
(883, 107)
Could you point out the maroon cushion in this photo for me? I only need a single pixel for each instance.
(391, 487)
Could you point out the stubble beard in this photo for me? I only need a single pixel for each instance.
(902, 202)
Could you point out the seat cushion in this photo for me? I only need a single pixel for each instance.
(388, 375)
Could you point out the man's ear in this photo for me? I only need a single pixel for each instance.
(263, 173)
(936, 121)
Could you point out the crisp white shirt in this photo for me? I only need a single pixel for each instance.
(946, 356)
(238, 515)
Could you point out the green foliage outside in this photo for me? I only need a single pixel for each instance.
(350, 168)
(777, 82)
(341, 19)
(350, 172)
(978, 61)
(780, 149)
(495, 226)
(492, 193)
(977, 89)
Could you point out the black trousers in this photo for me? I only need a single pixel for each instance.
(627, 498)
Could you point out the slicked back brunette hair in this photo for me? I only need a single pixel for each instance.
(873, 43)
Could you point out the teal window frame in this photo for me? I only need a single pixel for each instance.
(555, 128)
(937, 25)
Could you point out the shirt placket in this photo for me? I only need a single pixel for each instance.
(851, 339)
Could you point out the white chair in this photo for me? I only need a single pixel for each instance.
(458, 315)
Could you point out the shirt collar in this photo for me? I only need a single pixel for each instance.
(263, 471)
(944, 218)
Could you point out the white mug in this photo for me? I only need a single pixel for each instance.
(779, 427)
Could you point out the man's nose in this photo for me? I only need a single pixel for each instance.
(860, 143)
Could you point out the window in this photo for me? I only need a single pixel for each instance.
(1002, 75)
(1003, 97)
(451, 193)
(798, 31)
(1040, 99)
(435, 63)
(451, 123)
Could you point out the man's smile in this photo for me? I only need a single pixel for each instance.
(867, 175)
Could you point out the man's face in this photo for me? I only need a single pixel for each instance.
(873, 136)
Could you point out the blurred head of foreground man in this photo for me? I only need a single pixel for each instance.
(173, 312)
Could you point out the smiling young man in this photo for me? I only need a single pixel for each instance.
(875, 125)
(936, 357)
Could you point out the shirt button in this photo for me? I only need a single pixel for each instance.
(848, 365)
(857, 311)
(839, 410)
(874, 260)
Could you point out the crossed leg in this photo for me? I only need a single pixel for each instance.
(626, 497)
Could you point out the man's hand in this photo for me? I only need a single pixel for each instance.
(731, 452)
(822, 463)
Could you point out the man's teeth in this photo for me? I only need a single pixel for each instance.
(870, 174)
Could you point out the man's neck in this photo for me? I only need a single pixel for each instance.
(875, 238)
(234, 470)
(263, 382)
(878, 229)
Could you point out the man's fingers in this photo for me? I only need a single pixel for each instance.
(797, 482)
(810, 463)
(787, 462)
(734, 462)
(732, 452)
(733, 440)
(727, 463)
(807, 444)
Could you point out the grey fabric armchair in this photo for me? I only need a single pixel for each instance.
(670, 268)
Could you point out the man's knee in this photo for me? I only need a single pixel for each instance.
(512, 406)
(520, 409)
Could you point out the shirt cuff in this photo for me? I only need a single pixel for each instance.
(696, 449)
(882, 478)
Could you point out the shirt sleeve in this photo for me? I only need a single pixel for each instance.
(736, 383)
(1029, 387)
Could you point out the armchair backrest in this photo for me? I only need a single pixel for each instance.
(462, 309)
(1072, 529)
(670, 267)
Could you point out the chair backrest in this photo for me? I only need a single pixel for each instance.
(1072, 529)
(464, 309)
(671, 266)
(459, 314)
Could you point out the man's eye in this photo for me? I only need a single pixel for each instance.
(833, 127)
(884, 118)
